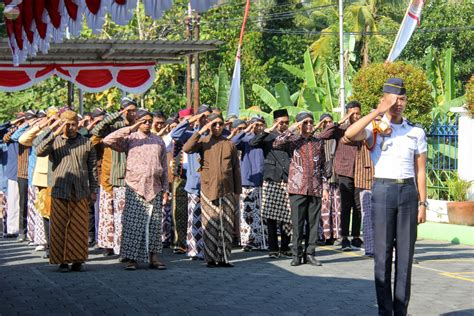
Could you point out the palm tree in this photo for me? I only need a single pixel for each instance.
(362, 18)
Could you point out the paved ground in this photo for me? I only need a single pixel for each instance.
(443, 283)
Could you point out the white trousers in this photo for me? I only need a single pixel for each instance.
(13, 209)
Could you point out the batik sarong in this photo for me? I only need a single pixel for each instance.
(105, 231)
(13, 209)
(330, 220)
(31, 214)
(3, 211)
(166, 226)
(119, 206)
(141, 227)
(276, 203)
(195, 241)
(43, 202)
(367, 222)
(217, 221)
(69, 231)
(36, 232)
(180, 213)
(252, 228)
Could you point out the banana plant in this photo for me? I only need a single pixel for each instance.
(440, 73)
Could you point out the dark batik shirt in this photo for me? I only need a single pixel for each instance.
(307, 173)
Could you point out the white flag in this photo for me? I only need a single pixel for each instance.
(409, 23)
(233, 107)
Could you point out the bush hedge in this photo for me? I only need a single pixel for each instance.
(470, 96)
(368, 83)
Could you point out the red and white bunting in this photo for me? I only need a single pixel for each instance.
(134, 78)
(32, 24)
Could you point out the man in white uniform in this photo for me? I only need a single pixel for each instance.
(399, 193)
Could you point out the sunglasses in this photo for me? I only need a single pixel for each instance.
(308, 122)
(217, 124)
(147, 121)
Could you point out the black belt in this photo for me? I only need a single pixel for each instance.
(395, 181)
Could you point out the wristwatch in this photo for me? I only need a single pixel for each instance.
(423, 203)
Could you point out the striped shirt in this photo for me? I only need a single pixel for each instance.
(74, 164)
(344, 161)
(109, 124)
(364, 169)
(23, 153)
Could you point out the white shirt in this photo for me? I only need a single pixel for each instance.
(398, 160)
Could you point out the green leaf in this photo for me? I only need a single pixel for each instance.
(294, 97)
(311, 102)
(266, 97)
(222, 85)
(282, 94)
(295, 71)
(309, 71)
(449, 80)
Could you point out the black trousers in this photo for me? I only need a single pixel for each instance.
(91, 228)
(395, 211)
(23, 192)
(272, 226)
(350, 199)
(305, 209)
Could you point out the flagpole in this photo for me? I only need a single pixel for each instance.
(342, 90)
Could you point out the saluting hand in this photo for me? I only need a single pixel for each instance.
(207, 127)
(386, 102)
(271, 129)
(60, 129)
(250, 128)
(137, 124)
(196, 118)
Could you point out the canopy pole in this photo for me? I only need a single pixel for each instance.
(342, 90)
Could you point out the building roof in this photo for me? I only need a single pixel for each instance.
(104, 50)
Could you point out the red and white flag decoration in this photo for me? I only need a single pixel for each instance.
(133, 78)
(409, 23)
(233, 108)
(32, 24)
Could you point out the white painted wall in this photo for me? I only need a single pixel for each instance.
(466, 149)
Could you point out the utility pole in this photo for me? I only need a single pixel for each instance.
(342, 92)
(189, 59)
(196, 66)
(70, 94)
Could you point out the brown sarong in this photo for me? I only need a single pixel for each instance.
(218, 227)
(69, 231)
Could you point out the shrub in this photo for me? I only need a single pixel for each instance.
(470, 96)
(368, 84)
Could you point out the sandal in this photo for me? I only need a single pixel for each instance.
(131, 265)
(157, 265)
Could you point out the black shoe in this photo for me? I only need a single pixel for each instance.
(63, 268)
(273, 255)
(356, 242)
(123, 260)
(321, 242)
(108, 252)
(77, 267)
(329, 242)
(296, 261)
(179, 251)
(286, 254)
(225, 265)
(311, 259)
(346, 245)
(211, 264)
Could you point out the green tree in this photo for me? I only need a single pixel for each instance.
(448, 25)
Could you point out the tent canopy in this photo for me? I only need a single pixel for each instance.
(33, 24)
(97, 65)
